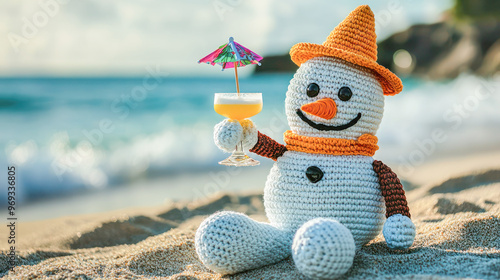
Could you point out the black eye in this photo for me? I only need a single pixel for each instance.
(345, 93)
(312, 90)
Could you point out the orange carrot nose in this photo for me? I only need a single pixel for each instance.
(324, 108)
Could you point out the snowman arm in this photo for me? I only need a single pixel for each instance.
(267, 147)
(392, 190)
(399, 231)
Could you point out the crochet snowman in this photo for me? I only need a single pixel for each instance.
(325, 196)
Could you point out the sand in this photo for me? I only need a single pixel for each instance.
(456, 212)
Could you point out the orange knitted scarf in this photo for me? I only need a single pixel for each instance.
(366, 145)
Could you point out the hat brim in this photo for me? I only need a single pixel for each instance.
(390, 83)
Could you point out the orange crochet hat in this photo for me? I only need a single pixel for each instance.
(353, 40)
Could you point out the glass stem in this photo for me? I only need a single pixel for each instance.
(239, 149)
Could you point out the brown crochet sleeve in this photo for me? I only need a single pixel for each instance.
(392, 190)
(267, 147)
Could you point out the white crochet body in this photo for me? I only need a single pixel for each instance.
(349, 192)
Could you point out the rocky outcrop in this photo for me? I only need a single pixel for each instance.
(443, 50)
(276, 63)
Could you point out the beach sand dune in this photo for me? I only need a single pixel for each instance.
(458, 236)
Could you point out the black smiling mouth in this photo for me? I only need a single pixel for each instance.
(320, 126)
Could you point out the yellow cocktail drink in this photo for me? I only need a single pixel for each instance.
(238, 111)
(238, 107)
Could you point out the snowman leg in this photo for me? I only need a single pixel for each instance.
(229, 242)
(323, 249)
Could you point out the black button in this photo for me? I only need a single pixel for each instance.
(345, 93)
(312, 90)
(314, 174)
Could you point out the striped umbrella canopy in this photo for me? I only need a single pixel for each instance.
(232, 55)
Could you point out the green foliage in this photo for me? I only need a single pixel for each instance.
(477, 10)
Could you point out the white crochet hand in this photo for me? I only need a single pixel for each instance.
(399, 232)
(228, 133)
(250, 134)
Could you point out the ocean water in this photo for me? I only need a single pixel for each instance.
(69, 135)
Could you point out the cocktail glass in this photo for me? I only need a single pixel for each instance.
(238, 106)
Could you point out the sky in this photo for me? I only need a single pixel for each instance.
(124, 37)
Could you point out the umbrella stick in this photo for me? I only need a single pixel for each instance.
(237, 83)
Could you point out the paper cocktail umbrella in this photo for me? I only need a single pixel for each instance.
(232, 55)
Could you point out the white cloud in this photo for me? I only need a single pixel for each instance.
(121, 37)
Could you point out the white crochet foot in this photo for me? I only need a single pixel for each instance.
(230, 242)
(399, 232)
(323, 249)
